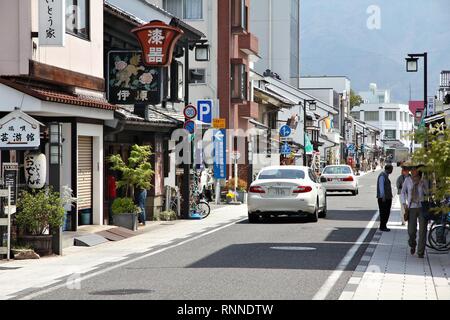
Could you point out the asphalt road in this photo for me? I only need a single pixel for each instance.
(280, 259)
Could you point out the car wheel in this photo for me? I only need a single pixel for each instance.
(315, 216)
(253, 218)
(324, 212)
(354, 193)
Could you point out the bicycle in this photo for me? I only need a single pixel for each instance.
(199, 206)
(439, 237)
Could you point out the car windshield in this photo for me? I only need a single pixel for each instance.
(337, 170)
(281, 174)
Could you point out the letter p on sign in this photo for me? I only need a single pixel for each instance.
(204, 108)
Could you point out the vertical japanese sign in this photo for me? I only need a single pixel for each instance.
(431, 106)
(130, 81)
(157, 40)
(220, 153)
(51, 23)
(10, 172)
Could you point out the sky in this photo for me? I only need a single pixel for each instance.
(368, 40)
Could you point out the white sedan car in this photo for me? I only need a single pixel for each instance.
(339, 178)
(286, 190)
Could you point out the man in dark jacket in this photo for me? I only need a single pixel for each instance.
(384, 196)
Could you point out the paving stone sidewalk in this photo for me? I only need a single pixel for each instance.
(388, 271)
(21, 277)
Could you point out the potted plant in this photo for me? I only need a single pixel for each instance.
(165, 216)
(231, 197)
(125, 213)
(135, 175)
(241, 189)
(37, 213)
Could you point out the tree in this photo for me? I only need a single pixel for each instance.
(137, 173)
(436, 158)
(355, 99)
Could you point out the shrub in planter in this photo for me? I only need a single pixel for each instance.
(165, 216)
(125, 213)
(37, 213)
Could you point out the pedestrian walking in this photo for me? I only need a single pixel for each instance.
(384, 196)
(414, 190)
(400, 182)
(141, 197)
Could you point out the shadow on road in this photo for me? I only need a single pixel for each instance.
(300, 256)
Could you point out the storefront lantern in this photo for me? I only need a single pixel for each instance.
(35, 170)
(157, 40)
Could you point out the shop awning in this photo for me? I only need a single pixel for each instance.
(273, 98)
(47, 93)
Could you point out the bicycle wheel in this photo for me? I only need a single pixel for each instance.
(439, 238)
(203, 209)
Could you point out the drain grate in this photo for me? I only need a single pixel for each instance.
(120, 292)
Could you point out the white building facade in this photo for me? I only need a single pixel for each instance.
(277, 26)
(395, 120)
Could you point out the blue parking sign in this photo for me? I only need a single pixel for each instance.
(204, 108)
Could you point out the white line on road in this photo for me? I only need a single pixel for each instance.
(83, 278)
(334, 277)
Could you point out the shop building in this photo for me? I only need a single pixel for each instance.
(55, 84)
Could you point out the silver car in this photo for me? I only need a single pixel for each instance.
(286, 190)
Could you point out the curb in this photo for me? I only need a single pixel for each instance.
(363, 266)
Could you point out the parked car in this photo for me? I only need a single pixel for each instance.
(286, 190)
(340, 178)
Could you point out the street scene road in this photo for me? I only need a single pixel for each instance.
(285, 258)
(224, 150)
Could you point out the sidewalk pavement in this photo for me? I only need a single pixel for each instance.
(388, 271)
(22, 277)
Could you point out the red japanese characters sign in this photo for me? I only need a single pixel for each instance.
(157, 41)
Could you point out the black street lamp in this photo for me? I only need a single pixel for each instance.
(312, 106)
(412, 66)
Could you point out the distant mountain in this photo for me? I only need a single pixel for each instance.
(335, 40)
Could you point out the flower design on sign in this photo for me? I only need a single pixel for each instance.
(146, 78)
(120, 65)
(156, 37)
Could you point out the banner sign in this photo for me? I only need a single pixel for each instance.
(130, 82)
(220, 154)
(52, 23)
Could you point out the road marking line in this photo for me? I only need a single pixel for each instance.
(326, 288)
(83, 278)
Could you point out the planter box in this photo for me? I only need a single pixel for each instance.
(242, 196)
(126, 220)
(42, 245)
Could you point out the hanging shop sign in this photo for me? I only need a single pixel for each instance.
(52, 23)
(130, 81)
(10, 173)
(35, 170)
(157, 40)
(19, 131)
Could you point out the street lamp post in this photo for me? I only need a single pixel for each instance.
(312, 106)
(201, 54)
(412, 66)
